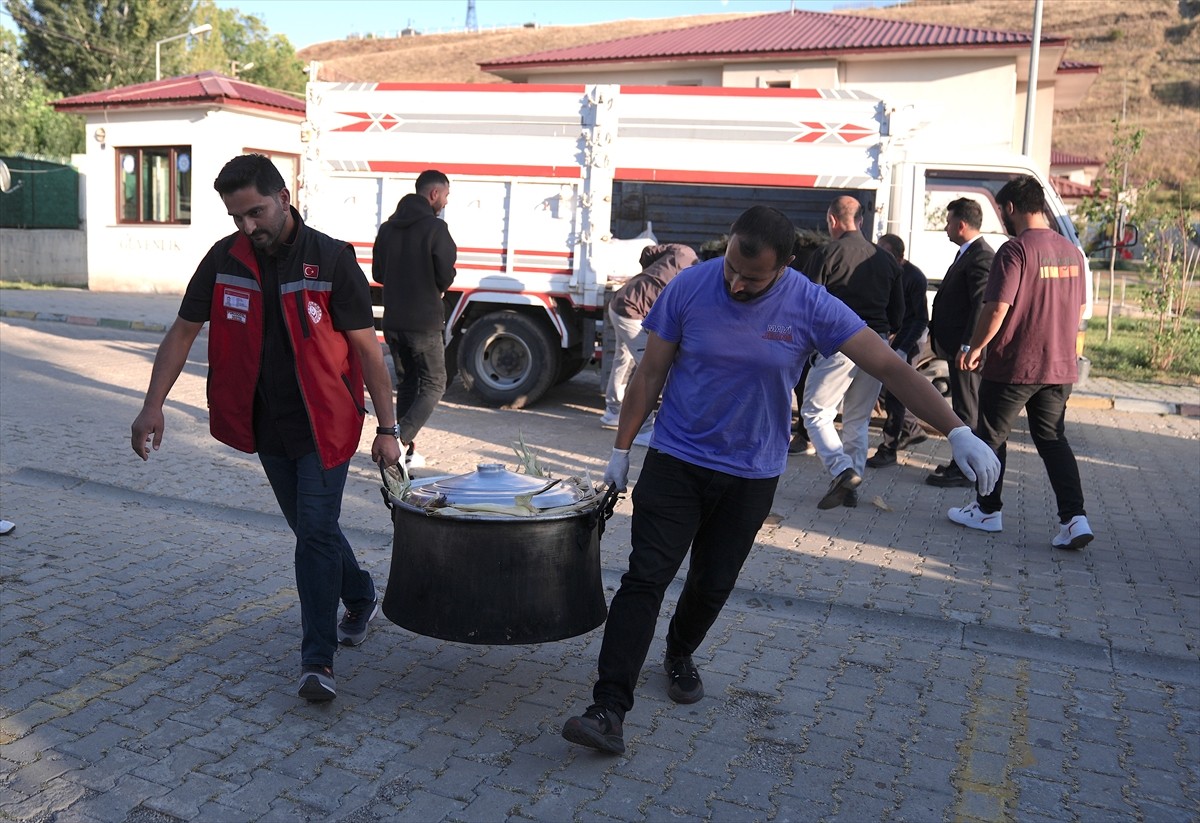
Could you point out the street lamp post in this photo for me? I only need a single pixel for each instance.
(192, 32)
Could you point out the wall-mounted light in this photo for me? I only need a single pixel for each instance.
(99, 134)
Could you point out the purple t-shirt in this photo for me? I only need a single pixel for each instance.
(727, 402)
(1040, 275)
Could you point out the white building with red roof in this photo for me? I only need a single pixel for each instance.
(970, 84)
(153, 151)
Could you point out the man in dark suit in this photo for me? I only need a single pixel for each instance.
(955, 309)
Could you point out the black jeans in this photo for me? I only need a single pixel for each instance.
(676, 505)
(419, 358)
(1045, 405)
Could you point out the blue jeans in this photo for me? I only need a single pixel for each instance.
(677, 505)
(419, 358)
(1046, 409)
(326, 570)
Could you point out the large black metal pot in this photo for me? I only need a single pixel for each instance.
(496, 579)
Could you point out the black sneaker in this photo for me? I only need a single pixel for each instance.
(835, 495)
(951, 478)
(851, 499)
(685, 686)
(316, 684)
(800, 445)
(597, 728)
(883, 456)
(352, 630)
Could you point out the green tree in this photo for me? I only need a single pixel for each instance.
(1110, 211)
(1173, 261)
(242, 45)
(79, 46)
(28, 124)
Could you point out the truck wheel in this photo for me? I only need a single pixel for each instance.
(506, 359)
(570, 363)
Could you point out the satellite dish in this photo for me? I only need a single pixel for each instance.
(6, 186)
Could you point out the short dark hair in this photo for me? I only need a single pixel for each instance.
(893, 244)
(967, 210)
(1025, 193)
(429, 178)
(762, 227)
(249, 170)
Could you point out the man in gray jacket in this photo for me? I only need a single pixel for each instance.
(626, 311)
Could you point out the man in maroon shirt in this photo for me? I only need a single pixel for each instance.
(1032, 307)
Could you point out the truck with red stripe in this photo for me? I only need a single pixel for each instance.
(556, 188)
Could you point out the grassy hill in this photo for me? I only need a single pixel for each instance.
(1149, 50)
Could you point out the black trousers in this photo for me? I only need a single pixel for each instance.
(677, 505)
(964, 393)
(1045, 406)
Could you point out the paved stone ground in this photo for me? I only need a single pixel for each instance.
(878, 663)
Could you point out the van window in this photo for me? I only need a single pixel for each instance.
(943, 186)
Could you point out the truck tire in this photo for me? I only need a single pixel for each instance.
(507, 359)
(570, 363)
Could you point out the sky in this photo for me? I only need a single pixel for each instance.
(305, 22)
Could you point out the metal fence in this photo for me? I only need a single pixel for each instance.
(37, 194)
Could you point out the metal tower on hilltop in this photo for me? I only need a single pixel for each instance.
(472, 22)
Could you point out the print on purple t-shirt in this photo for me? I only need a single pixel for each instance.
(1040, 275)
(727, 401)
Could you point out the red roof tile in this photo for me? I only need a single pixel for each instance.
(205, 87)
(1061, 158)
(1070, 189)
(801, 32)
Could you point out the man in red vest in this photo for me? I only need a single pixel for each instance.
(291, 340)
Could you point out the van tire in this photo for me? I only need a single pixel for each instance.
(507, 359)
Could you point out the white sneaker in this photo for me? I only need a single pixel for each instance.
(1074, 534)
(609, 421)
(974, 517)
(6, 526)
(415, 460)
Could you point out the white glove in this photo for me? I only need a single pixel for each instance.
(617, 472)
(976, 460)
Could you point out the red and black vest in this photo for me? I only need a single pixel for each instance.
(327, 367)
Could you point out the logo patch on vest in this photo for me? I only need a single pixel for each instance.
(235, 316)
(311, 271)
(314, 311)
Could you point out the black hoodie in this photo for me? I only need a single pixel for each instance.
(413, 260)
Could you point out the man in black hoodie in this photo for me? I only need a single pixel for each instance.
(413, 260)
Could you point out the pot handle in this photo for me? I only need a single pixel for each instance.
(387, 498)
(605, 510)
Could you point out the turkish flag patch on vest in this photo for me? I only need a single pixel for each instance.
(311, 271)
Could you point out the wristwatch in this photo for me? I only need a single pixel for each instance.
(964, 348)
(393, 430)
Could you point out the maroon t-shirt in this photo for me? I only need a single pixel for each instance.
(1039, 274)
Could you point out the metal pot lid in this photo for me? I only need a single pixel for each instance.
(492, 483)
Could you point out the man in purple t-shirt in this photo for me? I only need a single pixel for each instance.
(1032, 307)
(725, 344)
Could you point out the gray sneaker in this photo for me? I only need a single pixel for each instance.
(352, 630)
(316, 684)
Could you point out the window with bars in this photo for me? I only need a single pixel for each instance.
(154, 184)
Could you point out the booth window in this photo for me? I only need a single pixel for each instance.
(155, 184)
